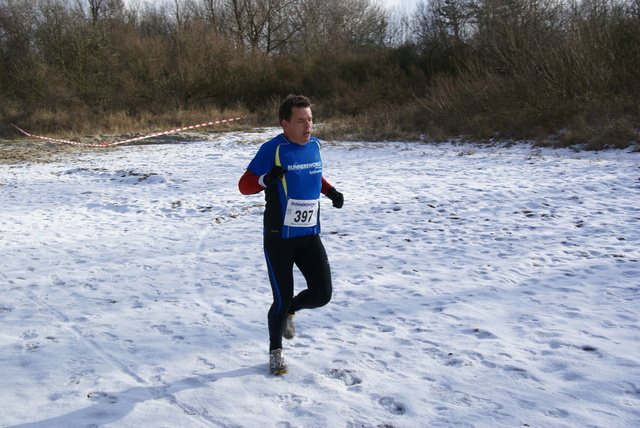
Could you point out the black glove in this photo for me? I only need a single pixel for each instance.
(275, 175)
(336, 197)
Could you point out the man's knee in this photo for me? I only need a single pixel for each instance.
(323, 297)
(313, 298)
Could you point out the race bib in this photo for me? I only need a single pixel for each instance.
(301, 213)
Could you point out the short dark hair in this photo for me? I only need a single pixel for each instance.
(286, 108)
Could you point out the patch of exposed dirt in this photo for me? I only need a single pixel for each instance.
(26, 150)
(37, 150)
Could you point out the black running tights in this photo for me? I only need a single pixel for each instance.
(309, 255)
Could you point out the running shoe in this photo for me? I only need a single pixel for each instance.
(277, 366)
(289, 328)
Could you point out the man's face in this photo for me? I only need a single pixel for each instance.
(298, 130)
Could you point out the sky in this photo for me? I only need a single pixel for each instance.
(405, 4)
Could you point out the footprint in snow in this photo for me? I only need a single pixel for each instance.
(481, 334)
(206, 363)
(392, 406)
(161, 328)
(179, 339)
(29, 334)
(80, 376)
(348, 377)
(103, 397)
(31, 346)
(110, 337)
(557, 413)
(520, 373)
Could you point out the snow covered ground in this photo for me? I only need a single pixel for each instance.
(474, 287)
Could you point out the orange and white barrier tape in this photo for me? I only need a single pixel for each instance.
(130, 139)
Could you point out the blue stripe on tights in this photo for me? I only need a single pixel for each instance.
(276, 289)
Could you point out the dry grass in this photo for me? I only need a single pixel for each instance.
(561, 73)
(107, 129)
(66, 124)
(382, 123)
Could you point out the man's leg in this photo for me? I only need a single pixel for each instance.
(313, 262)
(280, 260)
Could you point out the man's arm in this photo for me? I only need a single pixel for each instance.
(325, 186)
(336, 197)
(249, 183)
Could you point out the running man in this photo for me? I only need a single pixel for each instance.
(289, 169)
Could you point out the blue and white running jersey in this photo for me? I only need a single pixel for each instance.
(292, 206)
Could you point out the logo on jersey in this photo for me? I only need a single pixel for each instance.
(299, 167)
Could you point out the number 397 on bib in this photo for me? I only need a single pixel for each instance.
(301, 213)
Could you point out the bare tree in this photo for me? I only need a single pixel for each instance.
(342, 25)
(209, 11)
(100, 10)
(261, 25)
(442, 32)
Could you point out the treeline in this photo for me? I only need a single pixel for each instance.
(561, 72)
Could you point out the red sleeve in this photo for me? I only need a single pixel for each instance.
(325, 186)
(249, 184)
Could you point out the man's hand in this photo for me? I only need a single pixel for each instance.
(275, 175)
(336, 197)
